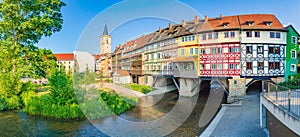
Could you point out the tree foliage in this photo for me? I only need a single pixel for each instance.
(62, 91)
(22, 24)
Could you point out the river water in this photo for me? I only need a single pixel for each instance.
(21, 124)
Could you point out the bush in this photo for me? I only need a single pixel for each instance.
(44, 106)
(61, 87)
(13, 102)
(109, 103)
(3, 105)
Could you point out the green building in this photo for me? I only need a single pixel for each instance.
(292, 50)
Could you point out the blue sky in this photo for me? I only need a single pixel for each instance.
(84, 20)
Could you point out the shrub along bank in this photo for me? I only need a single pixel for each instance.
(63, 102)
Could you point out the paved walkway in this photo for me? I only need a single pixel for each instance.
(237, 121)
(122, 90)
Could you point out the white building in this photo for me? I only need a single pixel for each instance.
(83, 60)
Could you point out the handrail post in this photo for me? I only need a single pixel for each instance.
(268, 88)
(276, 92)
(289, 100)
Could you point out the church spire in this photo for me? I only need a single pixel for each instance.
(105, 32)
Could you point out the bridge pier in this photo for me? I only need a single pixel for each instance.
(189, 86)
(161, 81)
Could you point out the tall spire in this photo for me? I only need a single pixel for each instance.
(105, 32)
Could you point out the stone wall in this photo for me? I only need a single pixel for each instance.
(237, 86)
(148, 80)
(186, 86)
(278, 79)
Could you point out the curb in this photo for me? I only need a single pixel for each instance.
(209, 130)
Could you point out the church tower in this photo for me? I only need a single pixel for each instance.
(105, 42)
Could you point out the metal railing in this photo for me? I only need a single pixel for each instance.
(286, 98)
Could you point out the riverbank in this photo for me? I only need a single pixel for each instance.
(237, 121)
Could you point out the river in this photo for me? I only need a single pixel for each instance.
(21, 124)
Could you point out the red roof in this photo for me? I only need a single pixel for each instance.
(63, 57)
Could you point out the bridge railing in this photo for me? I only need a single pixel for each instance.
(286, 98)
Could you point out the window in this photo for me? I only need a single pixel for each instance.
(237, 66)
(257, 34)
(216, 35)
(271, 50)
(272, 35)
(213, 66)
(294, 40)
(260, 65)
(191, 50)
(277, 35)
(219, 66)
(226, 35)
(293, 67)
(277, 50)
(231, 66)
(231, 50)
(249, 34)
(203, 36)
(268, 23)
(207, 51)
(237, 49)
(201, 66)
(293, 54)
(277, 65)
(202, 51)
(250, 23)
(260, 49)
(235, 82)
(188, 38)
(271, 65)
(219, 50)
(213, 50)
(158, 55)
(249, 65)
(209, 36)
(232, 34)
(182, 51)
(196, 51)
(249, 49)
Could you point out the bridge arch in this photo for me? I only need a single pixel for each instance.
(254, 87)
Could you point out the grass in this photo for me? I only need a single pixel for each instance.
(139, 88)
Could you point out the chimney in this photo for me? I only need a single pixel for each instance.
(206, 18)
(196, 20)
(221, 16)
(183, 23)
(170, 26)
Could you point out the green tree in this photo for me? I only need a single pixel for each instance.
(62, 91)
(23, 23)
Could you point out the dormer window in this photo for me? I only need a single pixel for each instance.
(226, 24)
(250, 23)
(268, 23)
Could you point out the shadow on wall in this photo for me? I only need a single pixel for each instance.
(254, 88)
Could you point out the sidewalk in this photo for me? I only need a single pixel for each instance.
(122, 90)
(237, 121)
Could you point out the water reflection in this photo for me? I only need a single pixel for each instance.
(21, 124)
